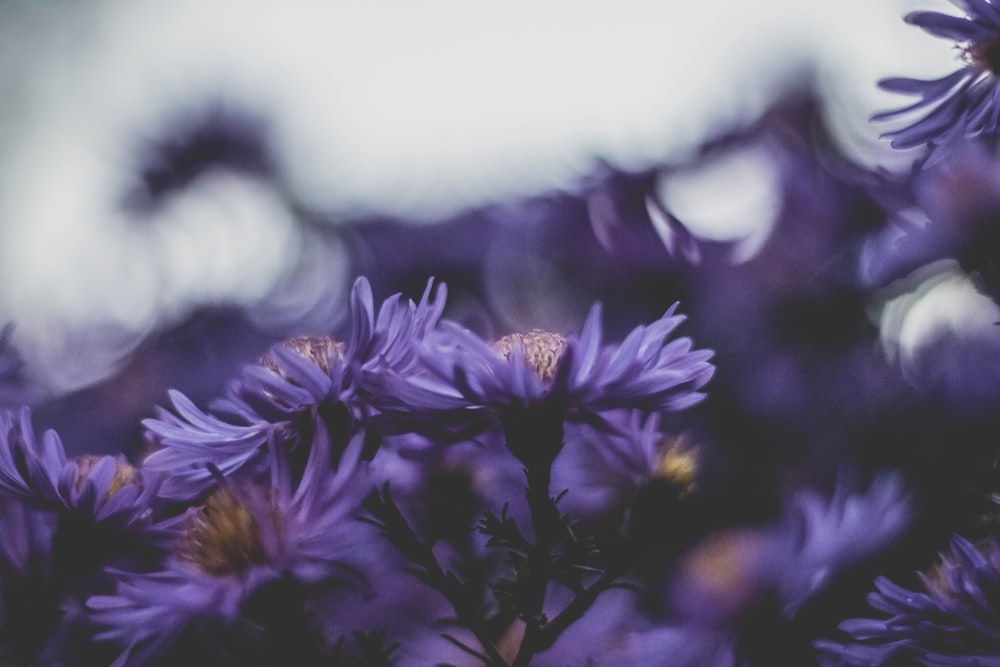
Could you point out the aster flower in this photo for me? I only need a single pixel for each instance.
(247, 547)
(301, 387)
(604, 471)
(954, 621)
(816, 539)
(103, 489)
(476, 385)
(965, 103)
(63, 521)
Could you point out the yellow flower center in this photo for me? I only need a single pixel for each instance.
(542, 350)
(223, 537)
(678, 464)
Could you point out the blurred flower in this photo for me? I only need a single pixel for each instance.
(816, 540)
(832, 535)
(604, 471)
(956, 621)
(965, 103)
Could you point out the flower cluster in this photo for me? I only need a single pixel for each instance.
(614, 441)
(239, 540)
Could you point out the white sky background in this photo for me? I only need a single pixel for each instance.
(412, 108)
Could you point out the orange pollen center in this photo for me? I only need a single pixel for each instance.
(542, 350)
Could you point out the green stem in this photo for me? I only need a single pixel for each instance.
(544, 521)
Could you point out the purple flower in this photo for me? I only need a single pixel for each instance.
(604, 471)
(301, 387)
(954, 621)
(63, 521)
(284, 544)
(475, 385)
(103, 489)
(817, 538)
(965, 103)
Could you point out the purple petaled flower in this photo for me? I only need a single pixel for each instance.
(301, 387)
(956, 621)
(965, 103)
(817, 539)
(103, 489)
(605, 471)
(475, 385)
(251, 556)
(63, 521)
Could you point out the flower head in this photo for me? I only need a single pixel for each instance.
(302, 387)
(102, 489)
(965, 103)
(244, 542)
(63, 521)
(817, 539)
(954, 621)
(476, 384)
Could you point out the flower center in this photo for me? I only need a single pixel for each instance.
(320, 350)
(986, 56)
(124, 474)
(224, 537)
(678, 464)
(542, 350)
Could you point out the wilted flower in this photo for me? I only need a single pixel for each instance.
(965, 103)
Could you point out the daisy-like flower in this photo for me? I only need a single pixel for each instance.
(104, 490)
(63, 521)
(954, 621)
(605, 472)
(965, 103)
(247, 556)
(475, 385)
(301, 387)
